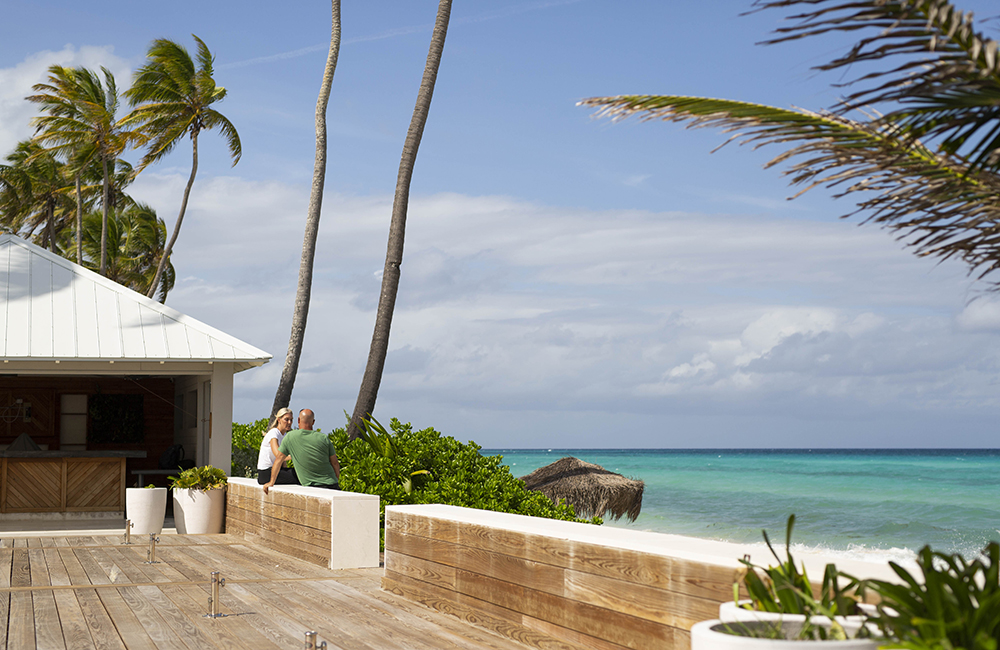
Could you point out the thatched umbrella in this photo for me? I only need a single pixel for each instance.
(590, 489)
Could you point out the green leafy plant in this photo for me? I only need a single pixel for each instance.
(150, 486)
(785, 589)
(199, 478)
(246, 447)
(382, 444)
(441, 470)
(956, 606)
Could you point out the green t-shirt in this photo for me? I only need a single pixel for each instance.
(310, 451)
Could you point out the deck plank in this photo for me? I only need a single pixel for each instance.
(6, 560)
(102, 628)
(128, 625)
(21, 617)
(156, 626)
(48, 630)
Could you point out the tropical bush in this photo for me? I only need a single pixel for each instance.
(456, 473)
(199, 478)
(246, 447)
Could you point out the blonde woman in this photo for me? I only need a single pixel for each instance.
(269, 451)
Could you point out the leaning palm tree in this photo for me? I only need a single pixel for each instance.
(926, 164)
(81, 124)
(397, 227)
(172, 97)
(283, 395)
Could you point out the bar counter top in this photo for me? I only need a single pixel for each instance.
(57, 453)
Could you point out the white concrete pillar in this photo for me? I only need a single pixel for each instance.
(220, 443)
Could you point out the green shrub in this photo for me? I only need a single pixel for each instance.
(457, 474)
(246, 447)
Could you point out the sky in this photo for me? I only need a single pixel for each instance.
(567, 282)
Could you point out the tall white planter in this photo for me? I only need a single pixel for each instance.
(711, 635)
(199, 512)
(145, 508)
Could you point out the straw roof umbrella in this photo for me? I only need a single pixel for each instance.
(590, 489)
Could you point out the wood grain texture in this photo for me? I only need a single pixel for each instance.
(661, 571)
(594, 595)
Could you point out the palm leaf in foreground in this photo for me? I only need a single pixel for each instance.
(935, 202)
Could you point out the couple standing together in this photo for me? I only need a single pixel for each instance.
(312, 452)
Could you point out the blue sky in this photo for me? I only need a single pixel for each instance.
(567, 282)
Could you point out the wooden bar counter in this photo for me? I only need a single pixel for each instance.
(63, 481)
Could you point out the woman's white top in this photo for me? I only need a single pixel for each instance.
(266, 457)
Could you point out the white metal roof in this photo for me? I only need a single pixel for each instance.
(53, 309)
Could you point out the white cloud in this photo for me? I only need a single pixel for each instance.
(515, 309)
(980, 315)
(16, 83)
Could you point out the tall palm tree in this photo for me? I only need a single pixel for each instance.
(81, 124)
(283, 395)
(925, 164)
(35, 194)
(172, 97)
(397, 227)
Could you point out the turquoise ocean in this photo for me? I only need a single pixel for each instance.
(868, 504)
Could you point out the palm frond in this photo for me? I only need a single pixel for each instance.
(936, 202)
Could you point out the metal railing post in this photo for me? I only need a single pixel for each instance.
(151, 551)
(213, 600)
(311, 642)
(128, 531)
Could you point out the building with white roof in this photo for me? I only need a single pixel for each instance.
(74, 345)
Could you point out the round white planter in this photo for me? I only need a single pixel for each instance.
(199, 512)
(145, 508)
(708, 635)
(730, 612)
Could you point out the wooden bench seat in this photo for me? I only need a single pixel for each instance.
(332, 528)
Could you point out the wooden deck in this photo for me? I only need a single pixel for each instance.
(94, 592)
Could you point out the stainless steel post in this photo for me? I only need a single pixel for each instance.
(213, 600)
(128, 531)
(311, 642)
(151, 551)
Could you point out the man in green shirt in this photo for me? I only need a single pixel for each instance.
(314, 456)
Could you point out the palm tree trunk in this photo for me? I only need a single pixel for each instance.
(180, 218)
(104, 216)
(284, 393)
(79, 223)
(50, 225)
(397, 227)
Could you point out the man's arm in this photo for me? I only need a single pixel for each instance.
(336, 465)
(279, 460)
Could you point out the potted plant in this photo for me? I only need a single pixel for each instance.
(145, 508)
(954, 604)
(783, 614)
(199, 500)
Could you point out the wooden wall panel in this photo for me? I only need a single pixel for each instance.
(291, 523)
(63, 485)
(94, 484)
(595, 595)
(34, 485)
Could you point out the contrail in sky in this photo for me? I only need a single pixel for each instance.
(399, 31)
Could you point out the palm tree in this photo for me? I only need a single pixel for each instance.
(397, 227)
(81, 125)
(136, 238)
(283, 395)
(926, 164)
(34, 193)
(172, 97)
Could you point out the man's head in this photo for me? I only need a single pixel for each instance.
(306, 419)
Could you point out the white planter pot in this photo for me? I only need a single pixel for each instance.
(731, 612)
(199, 512)
(710, 635)
(145, 508)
